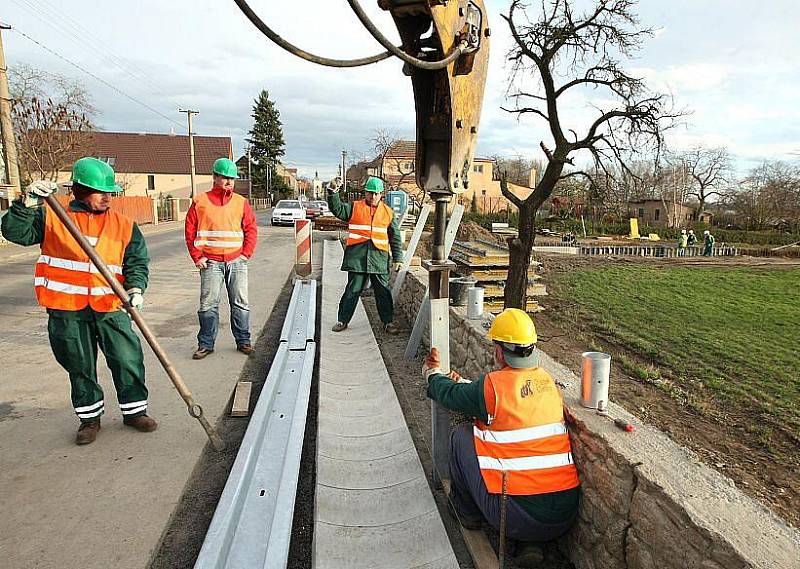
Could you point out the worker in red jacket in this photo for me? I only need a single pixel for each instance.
(221, 234)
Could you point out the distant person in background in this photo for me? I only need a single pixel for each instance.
(708, 243)
(683, 241)
(691, 240)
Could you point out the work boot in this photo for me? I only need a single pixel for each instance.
(391, 328)
(528, 554)
(339, 326)
(142, 423)
(246, 349)
(471, 522)
(201, 353)
(87, 432)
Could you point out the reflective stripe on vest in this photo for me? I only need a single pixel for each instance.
(526, 436)
(219, 227)
(365, 226)
(65, 277)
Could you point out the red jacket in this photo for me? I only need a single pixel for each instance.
(219, 196)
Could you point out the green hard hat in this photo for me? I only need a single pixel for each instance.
(374, 185)
(94, 174)
(226, 168)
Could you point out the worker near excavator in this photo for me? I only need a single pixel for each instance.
(221, 233)
(518, 433)
(83, 312)
(373, 243)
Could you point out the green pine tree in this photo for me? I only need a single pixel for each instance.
(266, 143)
(473, 206)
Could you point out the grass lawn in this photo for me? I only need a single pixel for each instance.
(725, 335)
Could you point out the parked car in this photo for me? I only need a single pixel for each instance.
(316, 208)
(287, 211)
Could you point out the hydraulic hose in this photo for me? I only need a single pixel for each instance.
(294, 50)
(384, 41)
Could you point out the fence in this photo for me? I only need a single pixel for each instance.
(138, 208)
(653, 251)
(260, 203)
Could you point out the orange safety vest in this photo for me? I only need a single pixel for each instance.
(65, 277)
(219, 227)
(525, 436)
(364, 226)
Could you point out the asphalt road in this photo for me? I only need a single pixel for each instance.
(107, 504)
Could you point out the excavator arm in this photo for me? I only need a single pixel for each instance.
(448, 101)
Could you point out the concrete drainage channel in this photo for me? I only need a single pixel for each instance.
(252, 525)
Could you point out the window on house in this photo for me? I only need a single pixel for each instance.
(483, 192)
(151, 182)
(408, 166)
(641, 212)
(478, 168)
(658, 214)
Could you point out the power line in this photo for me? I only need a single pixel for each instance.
(67, 26)
(100, 79)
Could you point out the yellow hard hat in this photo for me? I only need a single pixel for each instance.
(513, 326)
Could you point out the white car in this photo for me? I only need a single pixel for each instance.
(287, 211)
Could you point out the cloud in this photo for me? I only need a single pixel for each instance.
(738, 74)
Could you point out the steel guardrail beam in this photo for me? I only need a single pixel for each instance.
(252, 525)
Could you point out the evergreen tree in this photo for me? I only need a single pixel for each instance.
(266, 144)
(473, 206)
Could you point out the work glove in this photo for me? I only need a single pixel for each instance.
(38, 190)
(202, 263)
(135, 298)
(432, 364)
(334, 185)
(397, 265)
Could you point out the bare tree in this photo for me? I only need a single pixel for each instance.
(561, 43)
(400, 168)
(52, 115)
(770, 197)
(518, 169)
(710, 173)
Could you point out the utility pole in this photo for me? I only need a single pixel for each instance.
(249, 178)
(7, 127)
(189, 114)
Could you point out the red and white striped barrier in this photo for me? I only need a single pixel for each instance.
(302, 239)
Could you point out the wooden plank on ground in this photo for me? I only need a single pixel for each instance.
(241, 399)
(483, 556)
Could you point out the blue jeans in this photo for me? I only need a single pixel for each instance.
(234, 275)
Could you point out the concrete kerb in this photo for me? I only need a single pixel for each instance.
(373, 504)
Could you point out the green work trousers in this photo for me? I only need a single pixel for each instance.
(352, 292)
(74, 342)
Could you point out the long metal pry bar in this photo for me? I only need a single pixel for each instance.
(448, 106)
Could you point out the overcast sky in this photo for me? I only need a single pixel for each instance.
(734, 63)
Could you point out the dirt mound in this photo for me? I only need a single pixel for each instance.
(471, 231)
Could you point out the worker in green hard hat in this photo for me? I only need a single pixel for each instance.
(221, 234)
(373, 242)
(84, 313)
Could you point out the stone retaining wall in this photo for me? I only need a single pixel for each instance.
(647, 502)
